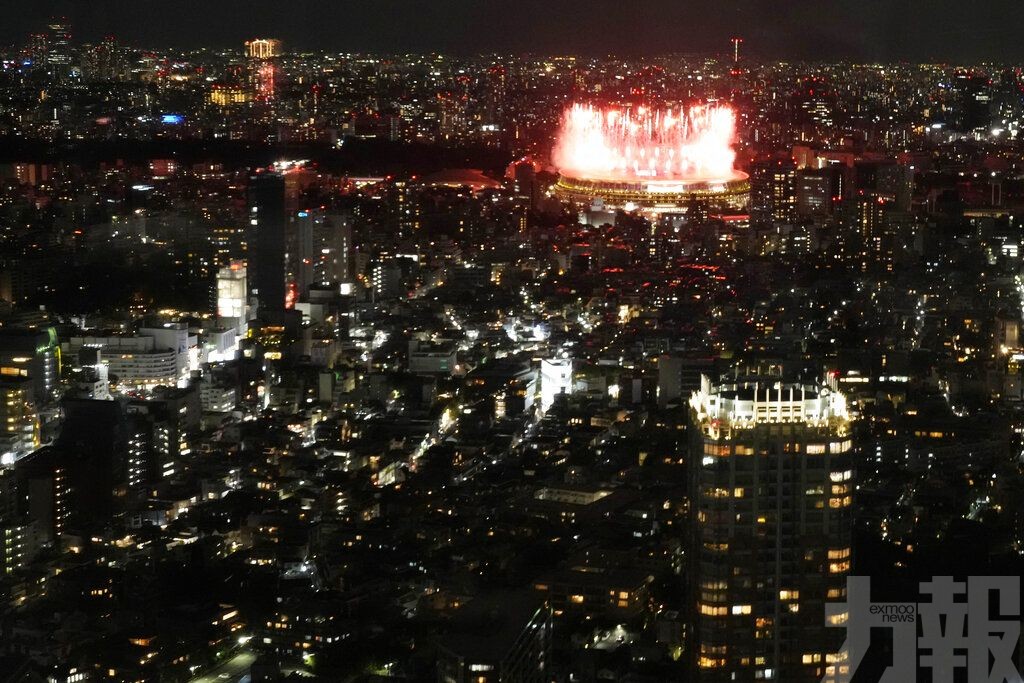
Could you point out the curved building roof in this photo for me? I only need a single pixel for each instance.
(472, 178)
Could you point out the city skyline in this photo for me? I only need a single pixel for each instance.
(510, 368)
(876, 30)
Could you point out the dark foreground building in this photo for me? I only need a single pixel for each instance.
(504, 638)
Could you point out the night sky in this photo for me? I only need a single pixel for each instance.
(922, 30)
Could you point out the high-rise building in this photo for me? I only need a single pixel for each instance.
(104, 61)
(229, 243)
(877, 230)
(771, 486)
(86, 470)
(304, 256)
(772, 192)
(58, 53)
(19, 433)
(31, 352)
(228, 94)
(43, 489)
(20, 536)
(974, 110)
(386, 279)
(232, 291)
(19, 542)
(262, 48)
(337, 249)
(894, 183)
(407, 208)
(163, 426)
(37, 49)
(817, 190)
(267, 220)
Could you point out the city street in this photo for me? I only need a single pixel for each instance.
(234, 670)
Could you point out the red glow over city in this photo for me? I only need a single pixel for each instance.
(643, 143)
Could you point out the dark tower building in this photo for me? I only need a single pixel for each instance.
(773, 192)
(58, 54)
(267, 222)
(79, 483)
(975, 101)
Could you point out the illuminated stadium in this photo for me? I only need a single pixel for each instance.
(656, 160)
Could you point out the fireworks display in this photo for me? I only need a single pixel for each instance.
(692, 144)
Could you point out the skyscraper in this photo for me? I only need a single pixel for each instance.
(59, 45)
(771, 485)
(267, 221)
(338, 249)
(304, 255)
(773, 192)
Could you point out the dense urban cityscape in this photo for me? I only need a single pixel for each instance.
(364, 367)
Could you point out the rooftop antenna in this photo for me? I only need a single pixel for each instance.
(736, 50)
